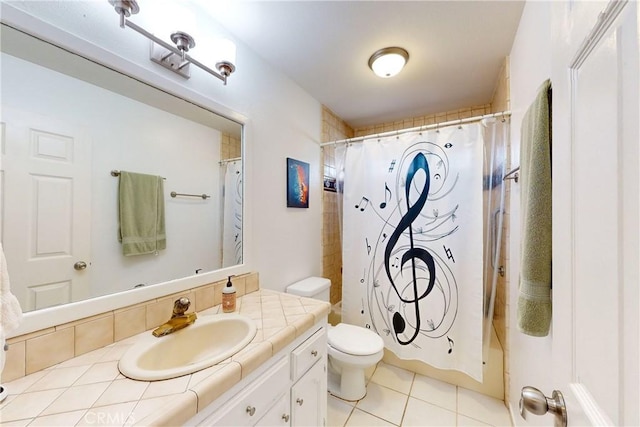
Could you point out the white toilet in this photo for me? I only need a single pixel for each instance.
(352, 349)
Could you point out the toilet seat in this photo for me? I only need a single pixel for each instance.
(354, 340)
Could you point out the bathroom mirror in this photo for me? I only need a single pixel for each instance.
(68, 125)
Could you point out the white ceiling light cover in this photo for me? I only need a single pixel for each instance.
(389, 61)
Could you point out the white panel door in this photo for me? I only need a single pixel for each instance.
(596, 235)
(46, 201)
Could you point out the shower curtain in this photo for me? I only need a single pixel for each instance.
(413, 244)
(232, 217)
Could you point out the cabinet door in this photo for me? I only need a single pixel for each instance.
(309, 397)
(279, 414)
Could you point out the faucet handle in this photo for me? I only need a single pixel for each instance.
(180, 306)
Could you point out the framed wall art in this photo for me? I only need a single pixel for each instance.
(297, 184)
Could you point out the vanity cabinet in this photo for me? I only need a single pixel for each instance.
(289, 390)
(309, 375)
(309, 397)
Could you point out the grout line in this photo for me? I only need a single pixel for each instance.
(349, 416)
(406, 403)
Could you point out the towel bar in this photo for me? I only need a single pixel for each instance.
(116, 172)
(202, 196)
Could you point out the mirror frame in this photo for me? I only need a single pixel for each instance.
(50, 317)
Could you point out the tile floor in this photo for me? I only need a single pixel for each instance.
(397, 397)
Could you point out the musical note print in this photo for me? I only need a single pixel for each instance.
(362, 205)
(406, 276)
(451, 344)
(419, 231)
(449, 253)
(386, 190)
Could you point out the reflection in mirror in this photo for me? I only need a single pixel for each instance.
(66, 124)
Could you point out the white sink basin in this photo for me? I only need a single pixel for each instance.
(210, 340)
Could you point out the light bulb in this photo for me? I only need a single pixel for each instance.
(224, 51)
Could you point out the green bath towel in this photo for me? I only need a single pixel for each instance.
(141, 214)
(534, 293)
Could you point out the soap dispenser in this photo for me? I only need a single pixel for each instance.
(229, 297)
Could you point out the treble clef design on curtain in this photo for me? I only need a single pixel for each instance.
(414, 253)
(412, 241)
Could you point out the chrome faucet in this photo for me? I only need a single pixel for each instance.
(179, 319)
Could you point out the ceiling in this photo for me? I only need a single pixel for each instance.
(456, 50)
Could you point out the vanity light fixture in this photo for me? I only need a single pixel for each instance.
(175, 58)
(389, 61)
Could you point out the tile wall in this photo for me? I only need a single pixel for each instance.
(39, 350)
(230, 147)
(335, 128)
(428, 119)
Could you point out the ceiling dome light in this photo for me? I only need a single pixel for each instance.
(389, 61)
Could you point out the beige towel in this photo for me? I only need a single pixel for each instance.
(141, 214)
(11, 313)
(534, 293)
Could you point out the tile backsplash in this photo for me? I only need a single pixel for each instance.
(39, 350)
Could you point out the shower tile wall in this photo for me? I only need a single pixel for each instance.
(429, 119)
(230, 147)
(335, 128)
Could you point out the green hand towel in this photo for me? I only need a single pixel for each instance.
(141, 214)
(534, 293)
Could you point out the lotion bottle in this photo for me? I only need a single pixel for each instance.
(229, 297)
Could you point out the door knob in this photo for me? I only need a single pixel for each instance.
(80, 265)
(534, 401)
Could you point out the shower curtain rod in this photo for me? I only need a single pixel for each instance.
(418, 128)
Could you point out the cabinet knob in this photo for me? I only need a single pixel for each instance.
(251, 410)
(314, 353)
(285, 417)
(299, 401)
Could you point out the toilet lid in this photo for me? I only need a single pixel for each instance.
(354, 340)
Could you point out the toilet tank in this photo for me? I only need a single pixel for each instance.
(311, 287)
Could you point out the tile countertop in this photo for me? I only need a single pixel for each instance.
(89, 389)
